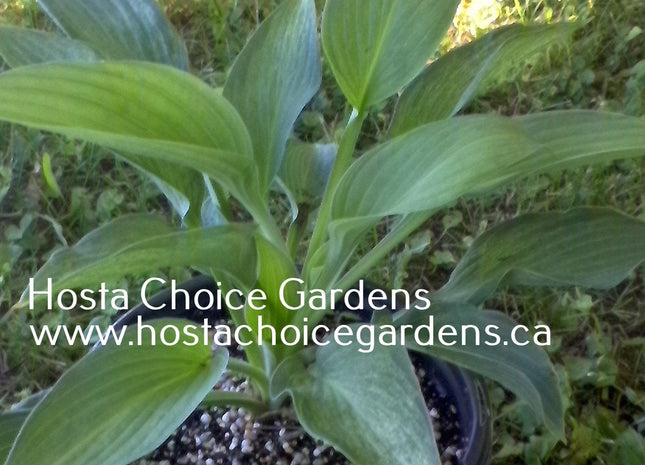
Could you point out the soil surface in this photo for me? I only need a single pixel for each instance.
(234, 437)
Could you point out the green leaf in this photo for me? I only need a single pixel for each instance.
(524, 370)
(436, 164)
(183, 187)
(21, 47)
(376, 47)
(119, 402)
(149, 110)
(11, 421)
(48, 176)
(30, 402)
(350, 400)
(212, 212)
(450, 82)
(144, 243)
(577, 138)
(306, 169)
(432, 166)
(10, 424)
(273, 78)
(628, 449)
(274, 268)
(120, 29)
(589, 247)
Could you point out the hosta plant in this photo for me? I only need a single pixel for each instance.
(116, 74)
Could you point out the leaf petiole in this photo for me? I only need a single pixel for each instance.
(341, 163)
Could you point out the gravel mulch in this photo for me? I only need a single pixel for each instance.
(221, 436)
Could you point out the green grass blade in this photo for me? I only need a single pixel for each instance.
(120, 29)
(589, 247)
(450, 82)
(283, 53)
(376, 47)
(119, 402)
(348, 399)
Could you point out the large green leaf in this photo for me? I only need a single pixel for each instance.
(119, 402)
(524, 370)
(432, 166)
(351, 400)
(12, 420)
(149, 110)
(435, 164)
(577, 138)
(10, 424)
(144, 243)
(306, 168)
(590, 247)
(375, 47)
(21, 47)
(450, 82)
(272, 79)
(120, 29)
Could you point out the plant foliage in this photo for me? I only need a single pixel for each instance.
(115, 74)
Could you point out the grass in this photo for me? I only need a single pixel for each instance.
(599, 347)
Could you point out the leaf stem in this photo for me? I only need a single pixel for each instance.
(253, 373)
(398, 234)
(342, 162)
(269, 228)
(296, 231)
(254, 204)
(233, 399)
(253, 352)
(222, 199)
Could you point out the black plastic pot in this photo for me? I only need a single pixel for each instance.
(455, 386)
(467, 393)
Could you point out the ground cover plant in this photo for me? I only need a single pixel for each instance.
(333, 250)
